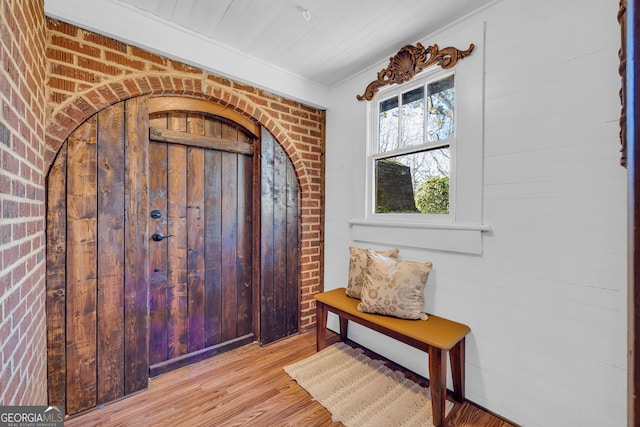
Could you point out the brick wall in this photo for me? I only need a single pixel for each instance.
(88, 72)
(22, 208)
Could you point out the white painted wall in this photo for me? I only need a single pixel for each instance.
(546, 299)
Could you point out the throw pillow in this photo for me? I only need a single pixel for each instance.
(393, 287)
(357, 267)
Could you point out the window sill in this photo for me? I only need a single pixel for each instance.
(461, 238)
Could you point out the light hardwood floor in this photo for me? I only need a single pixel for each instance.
(244, 387)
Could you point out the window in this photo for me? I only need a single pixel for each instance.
(424, 159)
(411, 157)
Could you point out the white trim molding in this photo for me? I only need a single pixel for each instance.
(460, 238)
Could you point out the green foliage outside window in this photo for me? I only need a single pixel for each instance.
(432, 196)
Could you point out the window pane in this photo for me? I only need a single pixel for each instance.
(388, 125)
(441, 99)
(413, 183)
(412, 132)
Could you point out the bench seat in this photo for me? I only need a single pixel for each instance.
(437, 336)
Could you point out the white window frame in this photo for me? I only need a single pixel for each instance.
(461, 231)
(431, 75)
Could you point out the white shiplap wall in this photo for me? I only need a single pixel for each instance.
(546, 300)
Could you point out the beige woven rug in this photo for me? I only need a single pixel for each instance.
(360, 391)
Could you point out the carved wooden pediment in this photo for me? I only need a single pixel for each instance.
(409, 61)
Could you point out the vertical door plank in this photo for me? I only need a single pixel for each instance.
(195, 244)
(56, 286)
(229, 131)
(293, 256)
(245, 239)
(158, 120)
(229, 245)
(158, 292)
(177, 249)
(267, 319)
(195, 124)
(243, 137)
(81, 268)
(257, 237)
(136, 306)
(195, 236)
(213, 247)
(110, 353)
(177, 121)
(280, 240)
(213, 128)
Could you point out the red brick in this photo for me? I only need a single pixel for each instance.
(25, 249)
(9, 115)
(155, 83)
(220, 80)
(105, 41)
(183, 68)
(60, 55)
(108, 95)
(96, 100)
(98, 66)
(62, 27)
(144, 84)
(123, 60)
(167, 83)
(132, 88)
(119, 91)
(63, 84)
(19, 311)
(147, 56)
(9, 163)
(259, 100)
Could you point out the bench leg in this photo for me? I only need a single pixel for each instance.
(456, 357)
(343, 329)
(321, 325)
(437, 384)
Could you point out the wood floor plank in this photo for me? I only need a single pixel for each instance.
(244, 387)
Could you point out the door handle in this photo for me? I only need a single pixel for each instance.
(159, 237)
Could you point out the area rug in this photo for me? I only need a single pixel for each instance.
(362, 392)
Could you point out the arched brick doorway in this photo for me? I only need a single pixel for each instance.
(152, 167)
(298, 129)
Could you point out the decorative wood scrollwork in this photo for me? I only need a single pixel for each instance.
(409, 61)
(622, 70)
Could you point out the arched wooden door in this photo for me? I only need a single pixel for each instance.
(169, 240)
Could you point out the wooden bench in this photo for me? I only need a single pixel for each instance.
(436, 336)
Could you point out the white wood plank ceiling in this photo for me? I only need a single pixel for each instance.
(341, 38)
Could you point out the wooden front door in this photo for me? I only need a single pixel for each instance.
(169, 240)
(201, 227)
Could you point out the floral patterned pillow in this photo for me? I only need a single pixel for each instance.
(393, 287)
(357, 267)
